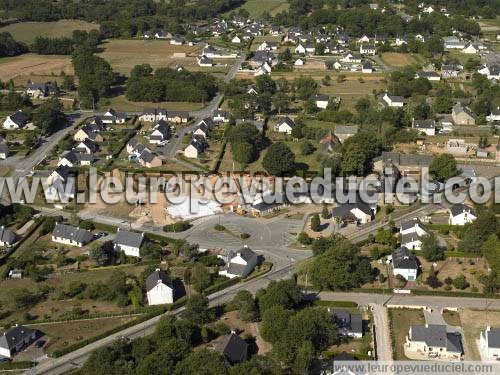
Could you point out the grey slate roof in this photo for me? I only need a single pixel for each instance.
(410, 237)
(435, 336)
(247, 253)
(147, 156)
(346, 129)
(232, 347)
(287, 120)
(404, 259)
(15, 335)
(6, 235)
(351, 322)
(493, 338)
(407, 159)
(19, 118)
(127, 238)
(70, 232)
(4, 149)
(457, 209)
(344, 210)
(236, 269)
(411, 223)
(424, 124)
(155, 277)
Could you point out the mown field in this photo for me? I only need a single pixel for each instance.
(257, 7)
(123, 55)
(33, 67)
(120, 103)
(28, 31)
(400, 60)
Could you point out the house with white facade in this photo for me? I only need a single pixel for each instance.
(241, 264)
(393, 101)
(159, 288)
(153, 114)
(17, 120)
(461, 214)
(434, 341)
(285, 125)
(428, 127)
(128, 242)
(358, 212)
(16, 339)
(7, 237)
(321, 100)
(494, 115)
(367, 49)
(70, 235)
(489, 344)
(349, 324)
(404, 263)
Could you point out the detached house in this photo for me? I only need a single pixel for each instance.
(16, 121)
(393, 101)
(4, 149)
(220, 116)
(87, 147)
(160, 133)
(404, 263)
(462, 115)
(7, 237)
(178, 117)
(90, 132)
(343, 132)
(204, 61)
(431, 76)
(196, 147)
(489, 343)
(424, 126)
(16, 339)
(241, 264)
(494, 115)
(128, 242)
(433, 341)
(350, 325)
(358, 212)
(159, 289)
(321, 100)
(149, 160)
(367, 49)
(152, 115)
(114, 117)
(70, 235)
(232, 347)
(461, 214)
(285, 125)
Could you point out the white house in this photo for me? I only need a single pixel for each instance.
(434, 341)
(152, 115)
(7, 237)
(404, 263)
(364, 39)
(241, 264)
(285, 125)
(70, 235)
(204, 61)
(236, 39)
(220, 116)
(321, 100)
(470, 49)
(299, 62)
(367, 49)
(424, 126)
(358, 212)
(494, 115)
(391, 100)
(159, 288)
(461, 214)
(489, 344)
(16, 121)
(492, 72)
(351, 58)
(16, 339)
(128, 242)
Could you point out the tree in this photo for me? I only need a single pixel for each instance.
(99, 255)
(443, 167)
(200, 277)
(274, 322)
(432, 279)
(279, 159)
(49, 117)
(243, 152)
(281, 101)
(306, 148)
(430, 249)
(460, 282)
(202, 362)
(244, 302)
(316, 223)
(197, 309)
(285, 293)
(325, 212)
(304, 358)
(304, 239)
(20, 298)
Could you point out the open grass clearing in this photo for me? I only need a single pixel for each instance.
(123, 55)
(121, 103)
(61, 335)
(452, 318)
(257, 7)
(399, 60)
(400, 322)
(33, 67)
(28, 31)
(475, 322)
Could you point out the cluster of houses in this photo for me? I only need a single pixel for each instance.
(199, 143)
(209, 53)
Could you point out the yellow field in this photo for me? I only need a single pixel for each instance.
(123, 55)
(31, 67)
(257, 7)
(28, 31)
(398, 60)
(120, 103)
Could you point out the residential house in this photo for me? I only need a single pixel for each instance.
(299, 62)
(57, 185)
(404, 263)
(433, 341)
(16, 121)
(367, 49)
(489, 343)
(358, 212)
(452, 42)
(328, 143)
(148, 159)
(391, 100)
(204, 61)
(7, 237)
(87, 147)
(380, 39)
(241, 264)
(492, 72)
(343, 132)
(152, 115)
(232, 347)
(16, 339)
(450, 70)
(424, 126)
(15, 273)
(90, 131)
(178, 117)
(321, 100)
(160, 133)
(203, 129)
(285, 125)
(159, 288)
(4, 149)
(128, 242)
(367, 67)
(73, 158)
(494, 115)
(236, 39)
(161, 34)
(399, 42)
(196, 147)
(351, 58)
(220, 116)
(462, 115)
(40, 90)
(420, 38)
(349, 324)
(470, 49)
(267, 46)
(177, 40)
(70, 235)
(461, 214)
(275, 30)
(364, 39)
(431, 76)
(114, 117)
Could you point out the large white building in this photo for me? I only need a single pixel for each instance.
(70, 235)
(241, 264)
(461, 214)
(404, 263)
(489, 344)
(159, 288)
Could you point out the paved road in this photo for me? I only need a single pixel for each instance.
(382, 332)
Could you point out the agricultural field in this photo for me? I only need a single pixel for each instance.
(400, 60)
(123, 55)
(120, 103)
(257, 7)
(33, 67)
(27, 31)
(490, 28)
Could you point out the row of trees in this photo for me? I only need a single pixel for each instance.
(9, 47)
(64, 45)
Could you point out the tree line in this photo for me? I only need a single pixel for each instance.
(66, 45)
(9, 47)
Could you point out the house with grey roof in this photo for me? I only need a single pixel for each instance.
(7, 237)
(394, 101)
(428, 127)
(70, 235)
(412, 233)
(159, 289)
(343, 132)
(489, 343)
(284, 125)
(241, 264)
(17, 339)
(462, 115)
(349, 324)
(232, 347)
(321, 100)
(461, 214)
(4, 149)
(128, 242)
(358, 212)
(17, 120)
(433, 341)
(404, 263)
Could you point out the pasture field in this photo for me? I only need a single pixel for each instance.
(400, 60)
(27, 31)
(123, 55)
(120, 103)
(490, 28)
(33, 67)
(257, 7)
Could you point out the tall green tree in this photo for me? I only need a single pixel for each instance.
(279, 159)
(49, 117)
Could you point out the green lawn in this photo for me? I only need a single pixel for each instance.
(120, 103)
(257, 7)
(28, 31)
